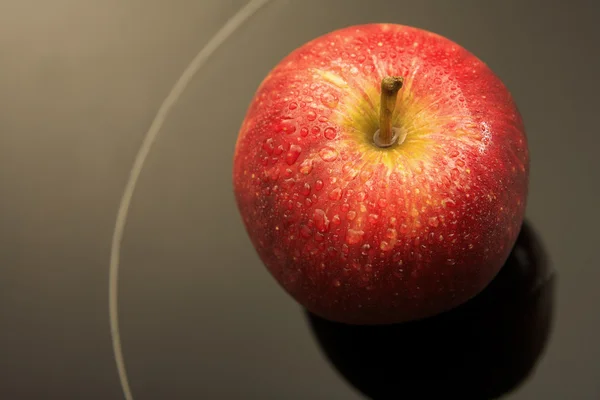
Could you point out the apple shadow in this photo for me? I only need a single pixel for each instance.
(482, 349)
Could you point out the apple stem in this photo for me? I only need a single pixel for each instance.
(390, 85)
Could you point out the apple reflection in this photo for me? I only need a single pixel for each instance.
(480, 350)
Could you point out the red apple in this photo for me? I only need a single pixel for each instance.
(381, 173)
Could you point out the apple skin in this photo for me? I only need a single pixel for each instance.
(366, 235)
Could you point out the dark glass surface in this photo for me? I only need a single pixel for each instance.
(81, 83)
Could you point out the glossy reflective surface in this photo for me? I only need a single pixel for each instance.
(80, 84)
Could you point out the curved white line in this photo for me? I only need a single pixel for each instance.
(115, 251)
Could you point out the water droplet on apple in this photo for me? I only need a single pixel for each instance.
(304, 132)
(292, 154)
(354, 236)
(369, 68)
(382, 203)
(286, 126)
(460, 163)
(434, 222)
(451, 261)
(352, 173)
(318, 185)
(288, 183)
(391, 234)
(311, 115)
(293, 105)
(320, 220)
(330, 133)
(337, 283)
(305, 189)
(329, 100)
(323, 119)
(365, 174)
(373, 218)
(386, 246)
(361, 196)
(328, 154)
(361, 58)
(454, 153)
(335, 194)
(351, 215)
(336, 220)
(306, 166)
(269, 146)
